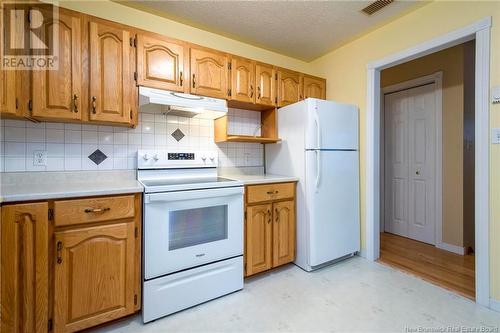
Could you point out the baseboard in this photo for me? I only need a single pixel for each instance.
(362, 253)
(451, 248)
(495, 304)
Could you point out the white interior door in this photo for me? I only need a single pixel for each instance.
(410, 163)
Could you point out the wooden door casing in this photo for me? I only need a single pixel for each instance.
(209, 72)
(242, 80)
(160, 63)
(25, 268)
(94, 275)
(314, 87)
(111, 81)
(258, 239)
(289, 87)
(283, 232)
(266, 84)
(57, 93)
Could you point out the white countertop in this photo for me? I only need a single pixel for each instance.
(261, 179)
(60, 185)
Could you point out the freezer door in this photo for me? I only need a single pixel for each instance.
(332, 196)
(331, 125)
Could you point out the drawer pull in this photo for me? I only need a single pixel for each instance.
(59, 252)
(96, 210)
(272, 192)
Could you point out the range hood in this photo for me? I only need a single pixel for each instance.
(184, 105)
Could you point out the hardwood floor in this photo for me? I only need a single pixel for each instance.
(443, 268)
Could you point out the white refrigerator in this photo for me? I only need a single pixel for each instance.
(320, 147)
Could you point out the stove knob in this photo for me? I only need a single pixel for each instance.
(145, 157)
(203, 158)
(155, 157)
(212, 159)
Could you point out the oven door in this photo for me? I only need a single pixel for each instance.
(185, 229)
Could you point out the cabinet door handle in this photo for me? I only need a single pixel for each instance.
(59, 252)
(258, 92)
(194, 81)
(94, 104)
(75, 103)
(277, 214)
(269, 218)
(97, 210)
(251, 91)
(180, 79)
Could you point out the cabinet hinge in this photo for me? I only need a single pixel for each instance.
(135, 76)
(229, 92)
(136, 232)
(30, 105)
(50, 214)
(135, 299)
(50, 325)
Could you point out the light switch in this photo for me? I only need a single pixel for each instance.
(495, 135)
(39, 157)
(495, 95)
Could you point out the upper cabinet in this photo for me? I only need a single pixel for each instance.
(265, 84)
(7, 78)
(111, 77)
(161, 63)
(289, 87)
(57, 93)
(242, 80)
(209, 72)
(314, 87)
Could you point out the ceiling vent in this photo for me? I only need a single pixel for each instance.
(376, 6)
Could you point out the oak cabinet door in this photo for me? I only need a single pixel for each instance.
(209, 73)
(7, 77)
(25, 267)
(289, 87)
(314, 87)
(258, 242)
(283, 232)
(57, 93)
(111, 80)
(94, 276)
(266, 85)
(242, 80)
(160, 63)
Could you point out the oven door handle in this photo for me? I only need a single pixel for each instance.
(194, 194)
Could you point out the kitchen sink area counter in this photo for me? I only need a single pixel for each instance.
(254, 176)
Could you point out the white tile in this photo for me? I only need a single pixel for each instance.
(107, 150)
(160, 128)
(15, 149)
(204, 131)
(77, 127)
(148, 140)
(72, 149)
(105, 138)
(107, 164)
(55, 135)
(120, 163)
(160, 139)
(134, 139)
(147, 117)
(31, 124)
(148, 127)
(89, 136)
(15, 164)
(194, 130)
(15, 134)
(172, 119)
(120, 151)
(183, 120)
(14, 123)
(55, 149)
(88, 164)
(105, 128)
(132, 151)
(160, 118)
(32, 147)
(120, 138)
(35, 135)
(131, 163)
(71, 136)
(89, 128)
(54, 125)
(55, 163)
(72, 163)
(88, 149)
(31, 167)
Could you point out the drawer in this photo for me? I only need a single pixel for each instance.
(267, 192)
(69, 212)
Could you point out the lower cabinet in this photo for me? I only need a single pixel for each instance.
(67, 272)
(269, 227)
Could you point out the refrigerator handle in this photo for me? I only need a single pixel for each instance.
(318, 169)
(318, 128)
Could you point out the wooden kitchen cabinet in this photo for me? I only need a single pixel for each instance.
(269, 226)
(57, 93)
(161, 63)
(209, 72)
(111, 62)
(25, 268)
(265, 84)
(289, 87)
(314, 87)
(242, 80)
(7, 78)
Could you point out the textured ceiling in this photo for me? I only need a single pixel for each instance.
(300, 29)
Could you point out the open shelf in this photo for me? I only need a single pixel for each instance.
(269, 130)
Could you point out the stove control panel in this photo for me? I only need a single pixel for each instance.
(163, 159)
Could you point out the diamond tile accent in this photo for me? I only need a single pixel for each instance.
(178, 135)
(97, 157)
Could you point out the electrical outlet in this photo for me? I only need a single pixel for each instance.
(40, 157)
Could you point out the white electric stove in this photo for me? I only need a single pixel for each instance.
(193, 231)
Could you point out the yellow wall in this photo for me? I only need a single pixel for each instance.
(450, 62)
(345, 71)
(139, 19)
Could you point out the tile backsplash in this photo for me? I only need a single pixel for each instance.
(68, 146)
